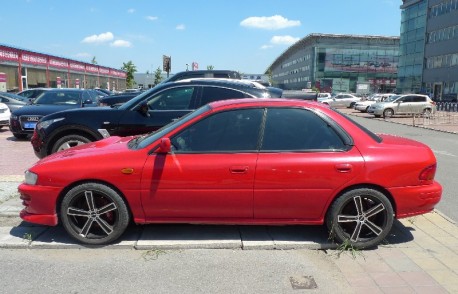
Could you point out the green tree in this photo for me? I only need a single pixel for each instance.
(157, 76)
(210, 67)
(130, 69)
(93, 61)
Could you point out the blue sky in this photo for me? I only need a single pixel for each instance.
(246, 36)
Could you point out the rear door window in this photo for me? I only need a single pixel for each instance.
(210, 94)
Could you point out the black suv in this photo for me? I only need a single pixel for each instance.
(192, 74)
(24, 119)
(142, 114)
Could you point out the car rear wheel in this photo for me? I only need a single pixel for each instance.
(69, 141)
(388, 112)
(363, 217)
(94, 214)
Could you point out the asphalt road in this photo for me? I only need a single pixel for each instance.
(445, 147)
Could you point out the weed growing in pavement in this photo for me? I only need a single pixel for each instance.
(153, 254)
(412, 220)
(27, 237)
(345, 247)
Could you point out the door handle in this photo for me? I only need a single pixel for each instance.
(239, 169)
(344, 167)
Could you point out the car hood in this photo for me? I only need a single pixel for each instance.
(109, 147)
(41, 109)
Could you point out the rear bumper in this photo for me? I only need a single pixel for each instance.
(415, 200)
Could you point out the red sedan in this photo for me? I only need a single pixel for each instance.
(248, 161)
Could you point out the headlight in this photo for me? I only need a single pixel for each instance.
(30, 178)
(47, 123)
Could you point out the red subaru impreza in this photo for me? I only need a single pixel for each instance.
(248, 161)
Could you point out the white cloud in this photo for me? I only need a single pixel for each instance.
(283, 40)
(266, 47)
(275, 22)
(121, 43)
(152, 18)
(101, 38)
(130, 10)
(180, 27)
(83, 55)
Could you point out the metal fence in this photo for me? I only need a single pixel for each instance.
(447, 106)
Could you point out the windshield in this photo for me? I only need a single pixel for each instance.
(59, 98)
(146, 140)
(134, 101)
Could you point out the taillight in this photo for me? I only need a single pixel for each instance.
(428, 173)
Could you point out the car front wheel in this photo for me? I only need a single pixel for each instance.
(94, 214)
(69, 141)
(363, 217)
(388, 112)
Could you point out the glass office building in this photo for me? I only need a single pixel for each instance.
(338, 63)
(412, 45)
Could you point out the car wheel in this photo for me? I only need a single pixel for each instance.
(363, 217)
(352, 104)
(388, 112)
(367, 108)
(20, 136)
(68, 142)
(427, 112)
(94, 214)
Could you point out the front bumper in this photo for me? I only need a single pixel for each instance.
(40, 204)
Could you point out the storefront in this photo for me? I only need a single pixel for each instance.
(25, 69)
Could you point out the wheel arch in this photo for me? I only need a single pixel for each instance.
(71, 130)
(362, 186)
(96, 181)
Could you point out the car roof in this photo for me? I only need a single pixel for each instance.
(266, 102)
(222, 81)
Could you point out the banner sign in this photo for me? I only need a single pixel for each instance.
(8, 54)
(34, 59)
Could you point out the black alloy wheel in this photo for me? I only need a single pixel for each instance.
(363, 217)
(94, 214)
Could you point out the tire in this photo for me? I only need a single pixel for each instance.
(427, 112)
(20, 136)
(367, 108)
(388, 113)
(68, 142)
(352, 104)
(347, 219)
(94, 214)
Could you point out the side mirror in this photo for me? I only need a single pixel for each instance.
(144, 109)
(165, 146)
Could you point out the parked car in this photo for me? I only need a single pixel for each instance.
(298, 94)
(363, 106)
(144, 113)
(117, 99)
(403, 104)
(24, 119)
(13, 101)
(323, 96)
(238, 162)
(4, 115)
(342, 100)
(227, 74)
(32, 93)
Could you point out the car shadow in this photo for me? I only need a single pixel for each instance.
(182, 236)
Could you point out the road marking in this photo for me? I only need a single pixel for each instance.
(444, 153)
